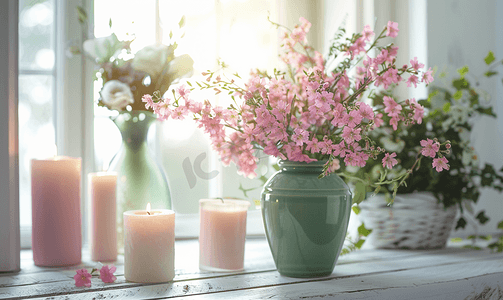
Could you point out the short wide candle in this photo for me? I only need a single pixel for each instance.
(222, 234)
(103, 233)
(56, 220)
(149, 245)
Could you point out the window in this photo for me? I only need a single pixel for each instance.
(229, 30)
(37, 86)
(51, 92)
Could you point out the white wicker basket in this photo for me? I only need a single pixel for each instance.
(415, 221)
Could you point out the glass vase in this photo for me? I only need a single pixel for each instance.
(305, 218)
(140, 179)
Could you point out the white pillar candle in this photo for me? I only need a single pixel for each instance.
(103, 233)
(149, 245)
(222, 234)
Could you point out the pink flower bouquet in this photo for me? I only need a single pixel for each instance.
(307, 112)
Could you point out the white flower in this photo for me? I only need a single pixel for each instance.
(101, 49)
(181, 66)
(152, 59)
(116, 95)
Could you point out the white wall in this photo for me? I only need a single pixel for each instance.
(461, 32)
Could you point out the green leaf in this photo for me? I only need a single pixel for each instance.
(485, 237)
(486, 111)
(82, 15)
(182, 22)
(110, 23)
(356, 209)
(364, 231)
(276, 167)
(456, 240)
(489, 58)
(472, 247)
(359, 244)
(463, 71)
(500, 225)
(490, 73)
(360, 192)
(482, 217)
(461, 223)
(457, 95)
(447, 107)
(471, 237)
(460, 84)
(170, 34)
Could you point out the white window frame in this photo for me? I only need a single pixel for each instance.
(9, 150)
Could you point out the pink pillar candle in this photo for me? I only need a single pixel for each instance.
(103, 233)
(222, 234)
(56, 219)
(149, 245)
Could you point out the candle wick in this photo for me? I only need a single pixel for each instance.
(221, 199)
(148, 212)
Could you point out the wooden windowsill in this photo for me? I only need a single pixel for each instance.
(451, 273)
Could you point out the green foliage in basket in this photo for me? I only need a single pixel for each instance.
(450, 115)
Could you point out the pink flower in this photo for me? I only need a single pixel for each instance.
(427, 77)
(82, 278)
(440, 164)
(418, 111)
(413, 80)
(378, 121)
(388, 161)
(415, 64)
(391, 107)
(394, 122)
(107, 273)
(298, 35)
(392, 29)
(366, 111)
(300, 137)
(430, 148)
(367, 33)
(353, 118)
(182, 91)
(149, 101)
(351, 134)
(304, 24)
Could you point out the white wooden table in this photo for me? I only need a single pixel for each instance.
(452, 273)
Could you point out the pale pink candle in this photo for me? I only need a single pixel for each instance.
(103, 232)
(222, 234)
(149, 245)
(56, 219)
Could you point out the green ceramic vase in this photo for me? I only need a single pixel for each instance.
(305, 218)
(140, 177)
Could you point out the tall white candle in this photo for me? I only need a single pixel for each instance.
(149, 245)
(103, 233)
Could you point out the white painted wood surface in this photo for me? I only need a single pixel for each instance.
(451, 273)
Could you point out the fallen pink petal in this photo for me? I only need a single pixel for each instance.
(82, 278)
(107, 273)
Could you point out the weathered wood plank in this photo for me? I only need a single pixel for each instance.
(409, 271)
(484, 287)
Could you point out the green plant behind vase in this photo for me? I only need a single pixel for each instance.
(451, 111)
